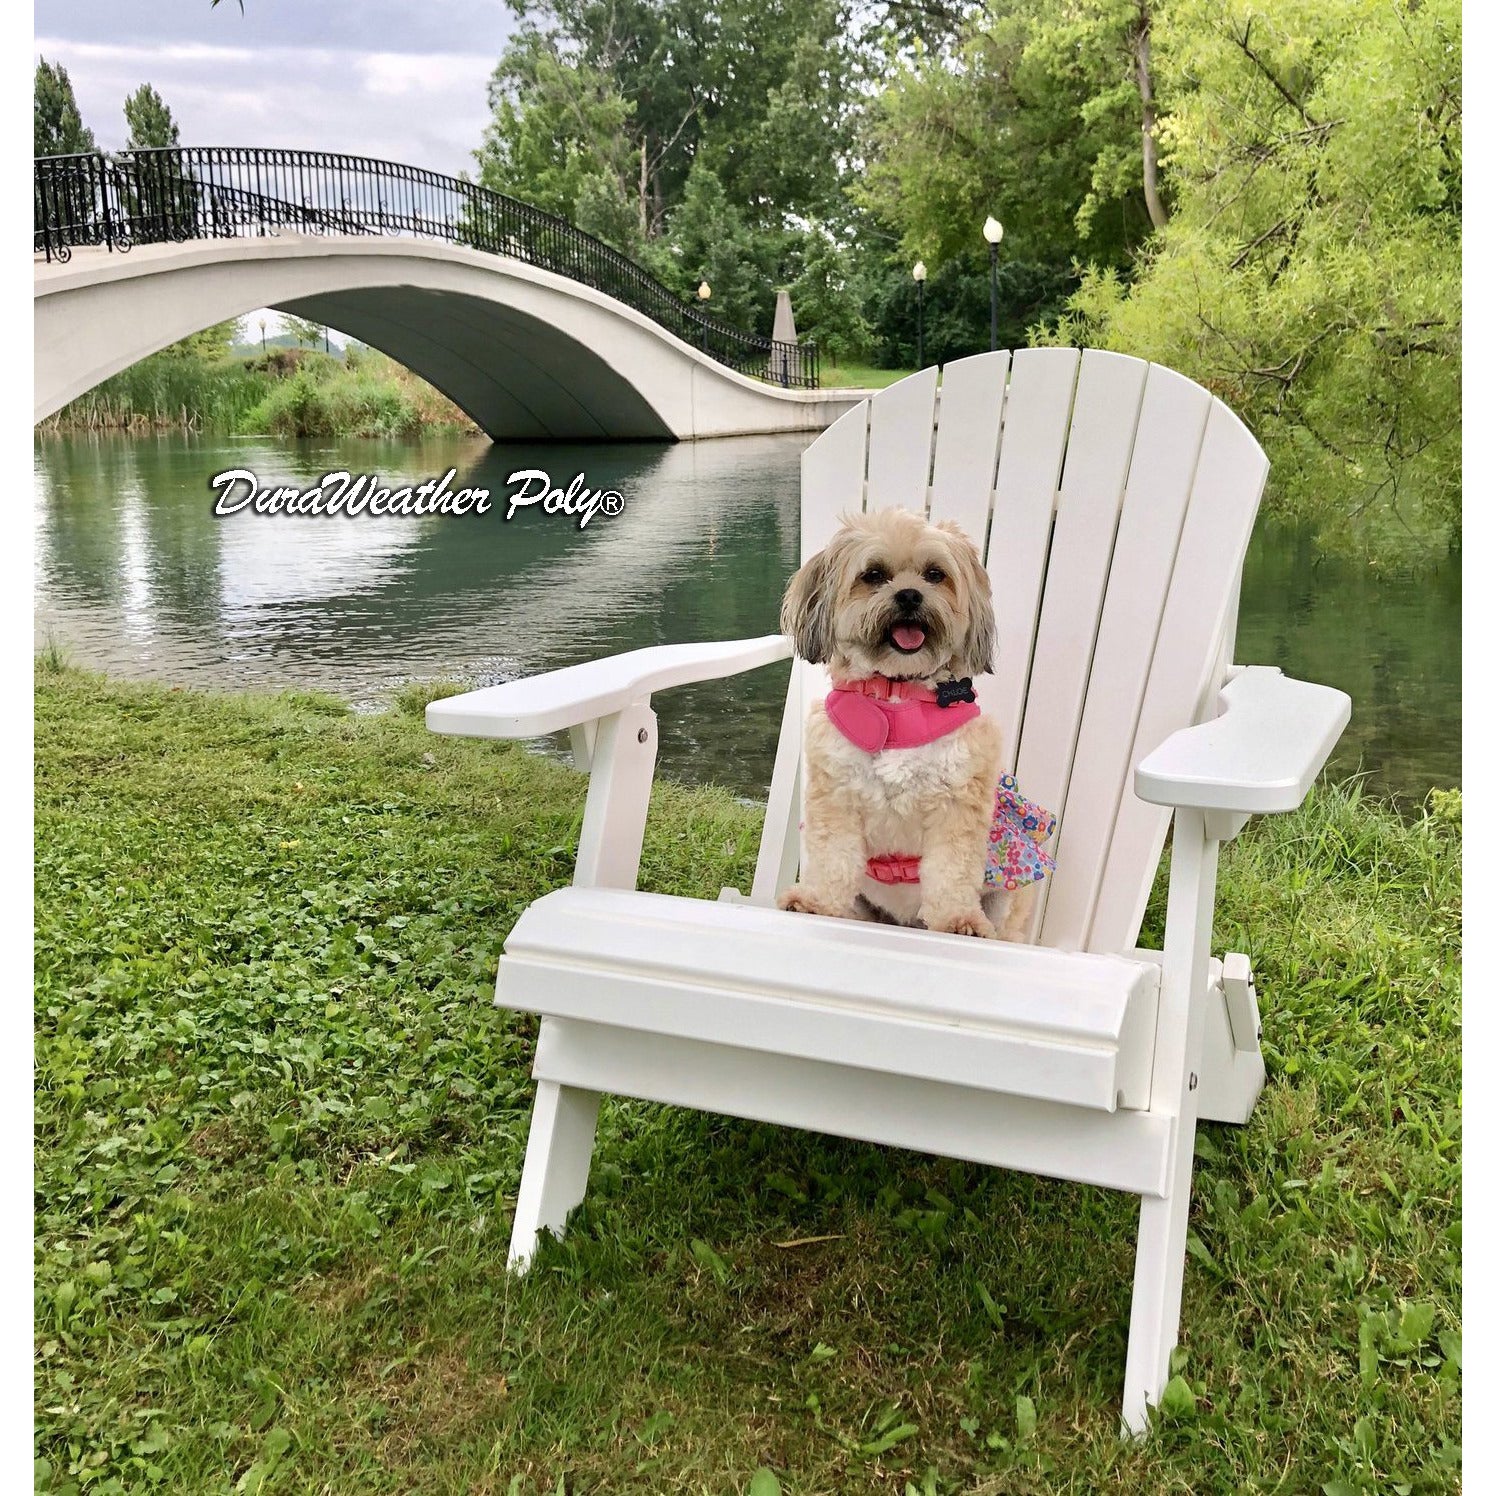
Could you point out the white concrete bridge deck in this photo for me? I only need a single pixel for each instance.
(528, 354)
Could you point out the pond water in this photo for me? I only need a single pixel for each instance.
(135, 576)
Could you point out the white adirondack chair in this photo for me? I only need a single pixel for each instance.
(1114, 500)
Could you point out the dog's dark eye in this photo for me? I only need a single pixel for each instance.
(934, 576)
(874, 576)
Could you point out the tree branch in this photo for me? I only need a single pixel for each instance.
(1244, 41)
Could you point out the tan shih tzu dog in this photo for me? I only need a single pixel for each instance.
(909, 817)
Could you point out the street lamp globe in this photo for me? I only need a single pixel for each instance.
(704, 292)
(919, 345)
(992, 232)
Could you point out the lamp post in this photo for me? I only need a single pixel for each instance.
(262, 337)
(919, 282)
(992, 232)
(703, 295)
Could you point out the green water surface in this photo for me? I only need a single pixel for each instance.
(136, 576)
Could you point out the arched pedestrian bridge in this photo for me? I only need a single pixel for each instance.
(533, 328)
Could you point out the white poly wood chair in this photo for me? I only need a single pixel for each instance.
(1113, 500)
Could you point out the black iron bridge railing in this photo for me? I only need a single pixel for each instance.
(180, 193)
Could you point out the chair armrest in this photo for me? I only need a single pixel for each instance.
(1260, 754)
(584, 693)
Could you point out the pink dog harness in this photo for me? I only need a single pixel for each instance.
(876, 713)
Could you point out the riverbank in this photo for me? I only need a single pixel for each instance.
(294, 392)
(280, 1125)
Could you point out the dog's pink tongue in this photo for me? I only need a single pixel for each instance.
(908, 636)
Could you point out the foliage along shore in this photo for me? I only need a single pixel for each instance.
(279, 1128)
(285, 392)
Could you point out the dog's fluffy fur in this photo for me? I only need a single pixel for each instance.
(883, 572)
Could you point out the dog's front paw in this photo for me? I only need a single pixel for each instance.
(959, 922)
(801, 900)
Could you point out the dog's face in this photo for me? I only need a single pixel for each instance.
(892, 595)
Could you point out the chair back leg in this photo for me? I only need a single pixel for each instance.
(557, 1159)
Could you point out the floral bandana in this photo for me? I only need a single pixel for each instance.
(877, 714)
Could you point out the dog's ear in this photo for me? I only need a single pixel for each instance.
(977, 649)
(806, 612)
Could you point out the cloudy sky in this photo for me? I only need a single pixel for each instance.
(401, 81)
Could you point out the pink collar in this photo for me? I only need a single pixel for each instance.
(876, 713)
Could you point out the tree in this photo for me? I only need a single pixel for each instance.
(957, 307)
(633, 92)
(59, 129)
(304, 330)
(149, 120)
(1039, 114)
(1310, 273)
(559, 130)
(212, 341)
(707, 239)
(828, 297)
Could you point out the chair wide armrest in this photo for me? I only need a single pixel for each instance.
(1260, 754)
(584, 693)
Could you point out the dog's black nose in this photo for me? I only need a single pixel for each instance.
(909, 598)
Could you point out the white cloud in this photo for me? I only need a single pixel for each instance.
(404, 74)
(296, 98)
(420, 108)
(111, 52)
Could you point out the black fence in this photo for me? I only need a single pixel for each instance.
(180, 193)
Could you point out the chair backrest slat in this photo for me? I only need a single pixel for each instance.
(1162, 473)
(832, 473)
(1116, 499)
(1108, 394)
(1189, 658)
(901, 426)
(971, 396)
(1035, 420)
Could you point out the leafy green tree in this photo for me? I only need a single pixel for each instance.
(211, 342)
(828, 296)
(958, 308)
(59, 129)
(149, 120)
(166, 193)
(708, 239)
(1038, 114)
(634, 92)
(1311, 270)
(778, 110)
(559, 132)
(306, 332)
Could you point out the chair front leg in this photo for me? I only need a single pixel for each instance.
(623, 763)
(558, 1155)
(557, 1160)
(1158, 1275)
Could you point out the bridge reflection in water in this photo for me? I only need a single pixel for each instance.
(135, 577)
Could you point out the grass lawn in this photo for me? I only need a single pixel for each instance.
(280, 1125)
(858, 376)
